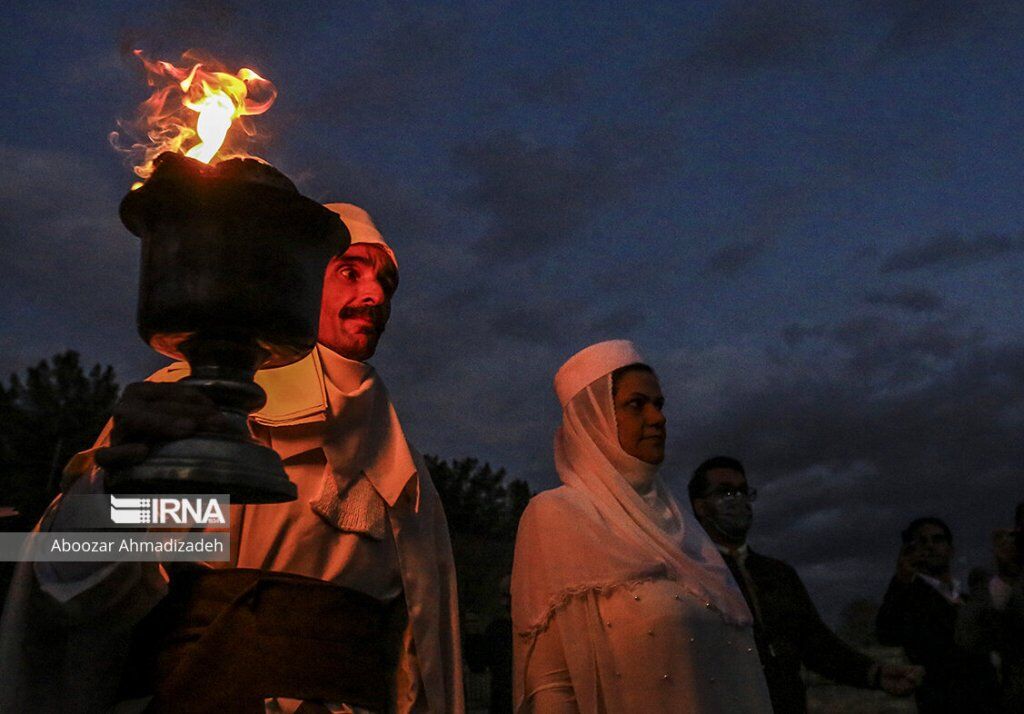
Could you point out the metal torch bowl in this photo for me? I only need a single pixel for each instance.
(233, 261)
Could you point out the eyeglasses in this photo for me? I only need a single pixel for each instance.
(732, 495)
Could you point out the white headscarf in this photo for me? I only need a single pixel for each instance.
(361, 227)
(649, 537)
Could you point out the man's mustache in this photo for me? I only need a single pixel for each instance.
(376, 314)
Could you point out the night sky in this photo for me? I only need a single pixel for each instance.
(807, 214)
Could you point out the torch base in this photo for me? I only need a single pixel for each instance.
(209, 464)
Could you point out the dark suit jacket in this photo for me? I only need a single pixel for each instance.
(923, 622)
(983, 628)
(792, 633)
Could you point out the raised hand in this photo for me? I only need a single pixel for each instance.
(899, 680)
(150, 412)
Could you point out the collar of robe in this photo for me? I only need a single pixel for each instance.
(340, 405)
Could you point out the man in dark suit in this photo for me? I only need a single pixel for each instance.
(919, 613)
(788, 630)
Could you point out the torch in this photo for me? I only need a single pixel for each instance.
(232, 266)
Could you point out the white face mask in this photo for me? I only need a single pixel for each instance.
(732, 520)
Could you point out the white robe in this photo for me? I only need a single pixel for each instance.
(62, 644)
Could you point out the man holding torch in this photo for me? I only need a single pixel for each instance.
(343, 600)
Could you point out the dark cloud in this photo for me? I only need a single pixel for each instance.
(732, 258)
(544, 322)
(400, 210)
(884, 351)
(404, 68)
(757, 228)
(907, 298)
(764, 34)
(891, 353)
(838, 38)
(530, 324)
(539, 196)
(70, 267)
(925, 25)
(743, 38)
(164, 30)
(849, 441)
(465, 388)
(793, 335)
(951, 250)
(557, 85)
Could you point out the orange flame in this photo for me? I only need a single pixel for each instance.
(193, 110)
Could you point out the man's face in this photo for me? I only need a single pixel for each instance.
(725, 509)
(356, 302)
(933, 552)
(638, 416)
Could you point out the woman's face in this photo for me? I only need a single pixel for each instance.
(641, 425)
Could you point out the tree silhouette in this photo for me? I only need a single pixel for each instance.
(483, 513)
(476, 499)
(56, 410)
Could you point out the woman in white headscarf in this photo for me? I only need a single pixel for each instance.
(620, 603)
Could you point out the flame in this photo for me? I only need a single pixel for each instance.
(193, 110)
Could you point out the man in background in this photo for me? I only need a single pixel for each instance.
(919, 614)
(788, 630)
(991, 622)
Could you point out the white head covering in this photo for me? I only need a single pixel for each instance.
(616, 536)
(591, 362)
(360, 227)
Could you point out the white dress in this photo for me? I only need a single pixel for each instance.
(619, 604)
(669, 653)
